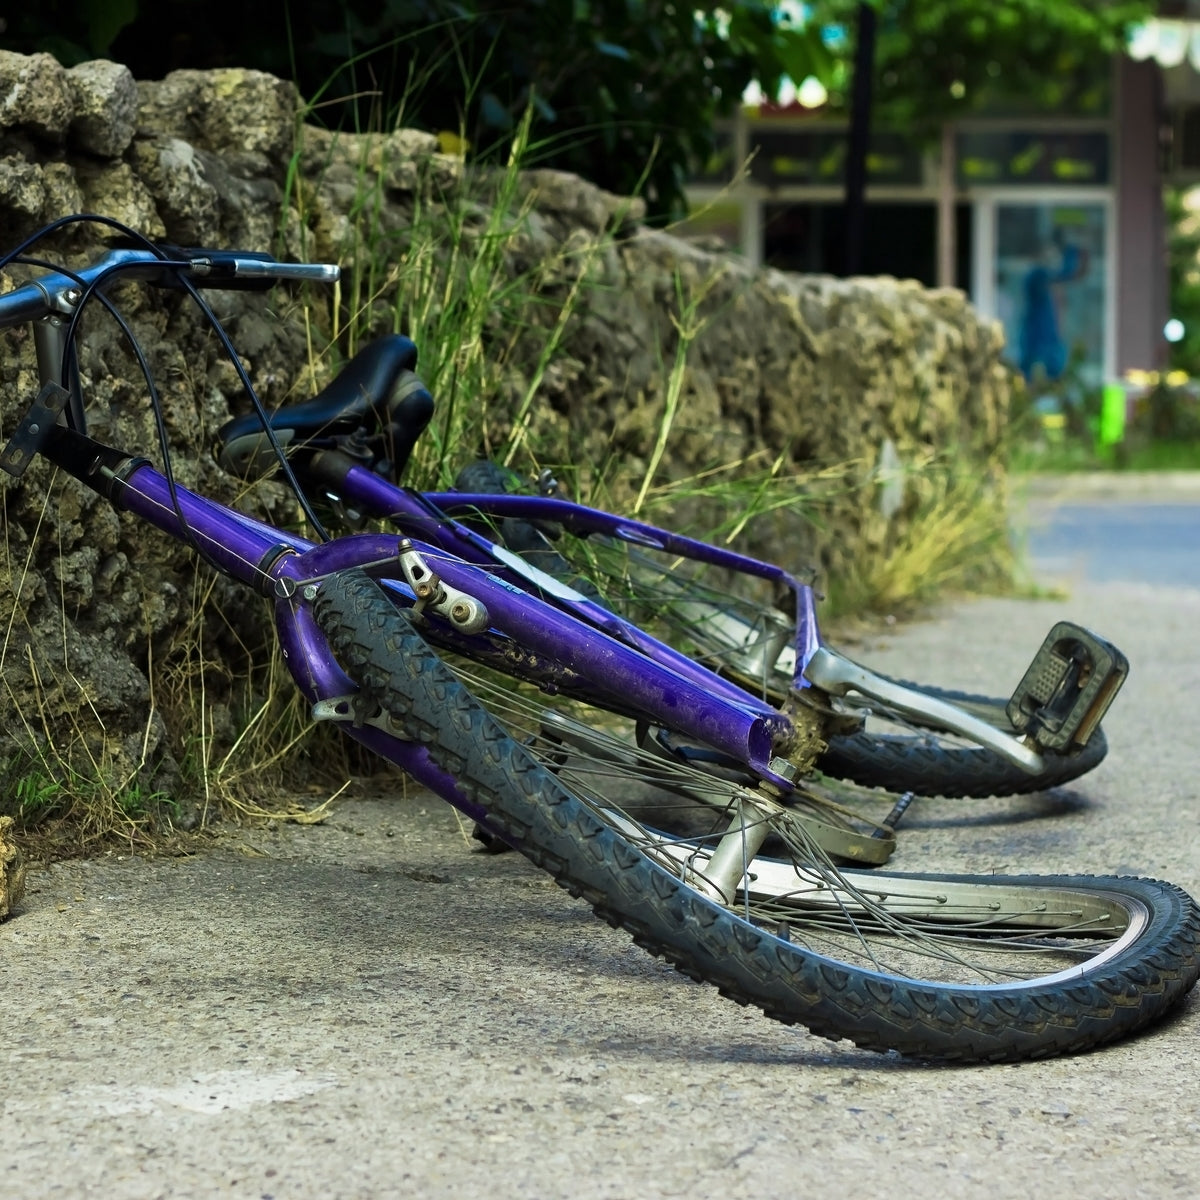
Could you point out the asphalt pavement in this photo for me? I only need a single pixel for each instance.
(372, 1008)
(1114, 528)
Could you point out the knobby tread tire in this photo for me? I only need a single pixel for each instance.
(378, 646)
(906, 764)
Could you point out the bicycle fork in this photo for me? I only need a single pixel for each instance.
(728, 868)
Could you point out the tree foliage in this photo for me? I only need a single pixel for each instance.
(1183, 265)
(938, 59)
(624, 91)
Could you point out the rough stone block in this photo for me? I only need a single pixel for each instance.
(12, 870)
(105, 107)
(35, 95)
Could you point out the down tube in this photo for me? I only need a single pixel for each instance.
(744, 728)
(235, 544)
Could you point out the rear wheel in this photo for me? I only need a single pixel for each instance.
(934, 965)
(747, 640)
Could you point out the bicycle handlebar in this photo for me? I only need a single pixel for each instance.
(234, 268)
(56, 293)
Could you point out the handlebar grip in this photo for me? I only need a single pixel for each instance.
(233, 270)
(240, 270)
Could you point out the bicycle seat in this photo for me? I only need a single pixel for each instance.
(373, 411)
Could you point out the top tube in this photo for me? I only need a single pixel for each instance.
(583, 519)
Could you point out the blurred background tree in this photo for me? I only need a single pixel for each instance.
(941, 59)
(626, 92)
(1183, 216)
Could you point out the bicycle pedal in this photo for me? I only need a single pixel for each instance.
(1073, 679)
(34, 430)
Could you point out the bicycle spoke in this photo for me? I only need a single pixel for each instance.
(966, 935)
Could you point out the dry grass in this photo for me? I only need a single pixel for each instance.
(956, 541)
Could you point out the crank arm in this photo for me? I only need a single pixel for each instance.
(836, 675)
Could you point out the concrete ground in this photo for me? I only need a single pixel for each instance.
(370, 1008)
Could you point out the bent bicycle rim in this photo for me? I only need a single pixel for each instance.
(941, 966)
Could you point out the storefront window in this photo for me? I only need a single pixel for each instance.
(1063, 158)
(900, 239)
(1050, 285)
(783, 157)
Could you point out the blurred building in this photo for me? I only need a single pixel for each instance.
(1051, 221)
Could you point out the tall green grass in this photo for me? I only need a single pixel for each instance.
(464, 278)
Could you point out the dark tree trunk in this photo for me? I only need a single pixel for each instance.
(860, 134)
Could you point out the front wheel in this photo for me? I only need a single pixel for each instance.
(945, 966)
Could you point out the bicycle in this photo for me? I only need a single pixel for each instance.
(941, 966)
(350, 445)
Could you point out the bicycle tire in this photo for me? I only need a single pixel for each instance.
(1127, 984)
(915, 761)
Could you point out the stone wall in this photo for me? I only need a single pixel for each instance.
(824, 371)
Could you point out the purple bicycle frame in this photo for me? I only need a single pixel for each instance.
(429, 516)
(667, 687)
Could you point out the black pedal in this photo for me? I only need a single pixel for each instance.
(33, 431)
(1072, 680)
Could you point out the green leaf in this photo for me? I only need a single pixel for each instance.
(105, 19)
(803, 53)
